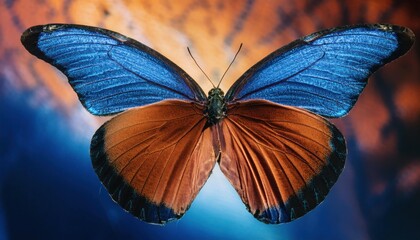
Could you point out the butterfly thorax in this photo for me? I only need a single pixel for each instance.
(216, 106)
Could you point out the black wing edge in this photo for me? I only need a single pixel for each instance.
(30, 38)
(405, 37)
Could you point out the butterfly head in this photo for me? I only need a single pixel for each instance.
(216, 92)
(216, 106)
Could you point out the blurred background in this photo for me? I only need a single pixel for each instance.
(48, 189)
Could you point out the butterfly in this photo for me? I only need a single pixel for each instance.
(269, 133)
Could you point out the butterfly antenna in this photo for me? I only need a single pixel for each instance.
(240, 47)
(196, 63)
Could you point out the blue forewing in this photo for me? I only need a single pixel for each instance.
(324, 72)
(110, 72)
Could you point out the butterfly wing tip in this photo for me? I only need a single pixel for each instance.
(273, 215)
(29, 40)
(157, 215)
(406, 40)
(149, 212)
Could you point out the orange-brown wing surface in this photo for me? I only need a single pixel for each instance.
(153, 160)
(281, 160)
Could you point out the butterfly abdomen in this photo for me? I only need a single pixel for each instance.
(216, 106)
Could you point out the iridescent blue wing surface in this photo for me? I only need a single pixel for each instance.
(110, 72)
(324, 72)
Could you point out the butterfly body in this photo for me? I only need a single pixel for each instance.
(269, 133)
(216, 106)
